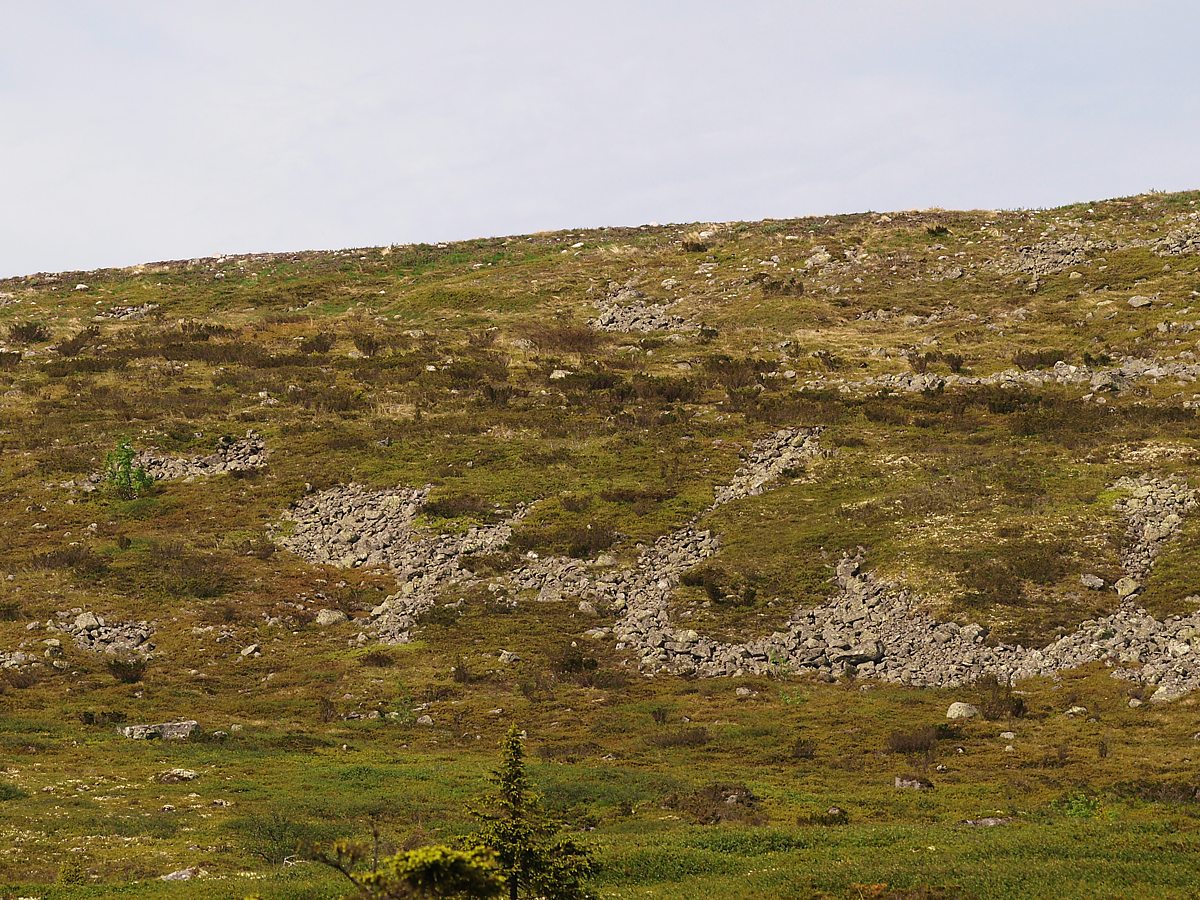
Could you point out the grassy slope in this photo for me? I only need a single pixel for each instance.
(991, 509)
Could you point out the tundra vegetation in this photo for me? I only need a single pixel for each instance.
(292, 542)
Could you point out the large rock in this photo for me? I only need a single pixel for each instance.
(960, 710)
(1127, 587)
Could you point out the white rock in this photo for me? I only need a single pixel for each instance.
(959, 710)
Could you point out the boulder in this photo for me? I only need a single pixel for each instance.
(1127, 587)
(330, 617)
(960, 710)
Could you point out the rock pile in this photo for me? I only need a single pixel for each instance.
(1182, 240)
(769, 459)
(1053, 255)
(232, 455)
(90, 632)
(870, 629)
(625, 309)
(1154, 511)
(867, 628)
(1097, 380)
(127, 313)
(353, 526)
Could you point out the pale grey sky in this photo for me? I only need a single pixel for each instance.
(138, 130)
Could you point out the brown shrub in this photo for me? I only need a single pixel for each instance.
(28, 332)
(715, 804)
(80, 559)
(1039, 359)
(367, 343)
(565, 337)
(377, 658)
(321, 342)
(683, 737)
(921, 740)
(999, 701)
(75, 344)
(130, 670)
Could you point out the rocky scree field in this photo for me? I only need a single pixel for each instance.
(835, 557)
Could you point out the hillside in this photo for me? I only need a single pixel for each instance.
(724, 515)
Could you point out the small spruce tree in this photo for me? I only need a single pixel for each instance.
(535, 860)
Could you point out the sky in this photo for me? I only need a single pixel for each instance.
(137, 130)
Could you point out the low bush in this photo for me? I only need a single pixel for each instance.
(78, 558)
(377, 659)
(129, 670)
(573, 661)
(721, 587)
(578, 541)
(719, 803)
(1038, 359)
(183, 572)
(831, 817)
(18, 678)
(696, 736)
(367, 343)
(922, 740)
(321, 342)
(276, 837)
(327, 710)
(497, 394)
(31, 332)
(1169, 793)
(78, 342)
(803, 749)
(565, 337)
(778, 285)
(999, 701)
